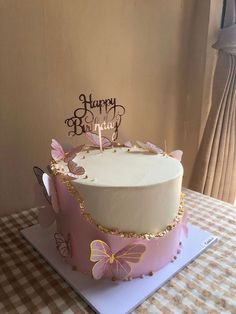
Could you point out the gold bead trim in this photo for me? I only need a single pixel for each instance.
(123, 234)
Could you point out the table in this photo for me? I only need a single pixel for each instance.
(208, 285)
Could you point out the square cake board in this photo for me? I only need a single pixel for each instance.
(119, 297)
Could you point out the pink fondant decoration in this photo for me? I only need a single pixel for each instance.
(118, 262)
(159, 251)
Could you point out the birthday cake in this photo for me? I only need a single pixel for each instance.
(119, 212)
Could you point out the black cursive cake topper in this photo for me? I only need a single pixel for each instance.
(96, 115)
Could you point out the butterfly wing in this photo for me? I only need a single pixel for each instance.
(57, 151)
(93, 138)
(153, 148)
(130, 254)
(120, 269)
(75, 169)
(51, 191)
(61, 244)
(127, 144)
(100, 253)
(177, 154)
(72, 153)
(142, 145)
(106, 142)
(100, 268)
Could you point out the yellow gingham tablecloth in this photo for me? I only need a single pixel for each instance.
(208, 285)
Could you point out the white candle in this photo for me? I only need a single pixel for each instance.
(100, 138)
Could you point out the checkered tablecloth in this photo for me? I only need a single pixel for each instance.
(208, 285)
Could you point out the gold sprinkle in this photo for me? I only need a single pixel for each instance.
(151, 273)
(141, 277)
(83, 157)
(114, 150)
(128, 150)
(86, 177)
(87, 151)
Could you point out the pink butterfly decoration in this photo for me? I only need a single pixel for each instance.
(127, 144)
(47, 213)
(63, 246)
(75, 169)
(150, 147)
(185, 225)
(94, 139)
(58, 152)
(118, 263)
(177, 154)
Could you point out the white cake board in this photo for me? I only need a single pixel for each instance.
(106, 296)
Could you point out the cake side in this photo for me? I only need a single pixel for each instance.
(79, 234)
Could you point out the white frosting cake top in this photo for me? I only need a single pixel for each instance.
(122, 168)
(128, 190)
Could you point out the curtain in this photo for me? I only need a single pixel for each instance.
(214, 171)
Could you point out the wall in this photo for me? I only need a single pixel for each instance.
(52, 50)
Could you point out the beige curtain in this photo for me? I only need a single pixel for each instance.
(214, 172)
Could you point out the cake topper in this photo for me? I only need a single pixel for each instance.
(118, 263)
(95, 116)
